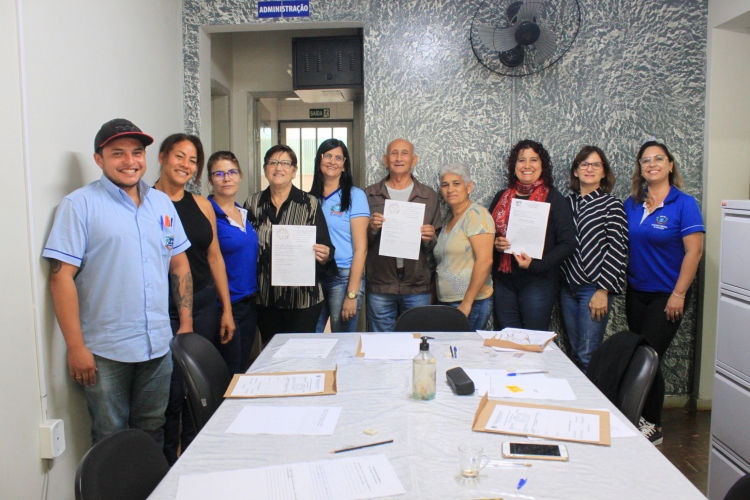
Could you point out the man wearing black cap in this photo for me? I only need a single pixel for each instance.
(115, 247)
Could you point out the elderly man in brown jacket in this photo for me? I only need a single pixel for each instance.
(393, 284)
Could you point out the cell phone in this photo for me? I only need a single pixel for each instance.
(535, 451)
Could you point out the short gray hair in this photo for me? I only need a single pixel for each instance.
(458, 169)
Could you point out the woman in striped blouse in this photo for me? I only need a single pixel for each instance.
(596, 270)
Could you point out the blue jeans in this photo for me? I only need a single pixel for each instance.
(334, 291)
(526, 306)
(480, 312)
(384, 308)
(129, 395)
(237, 351)
(585, 334)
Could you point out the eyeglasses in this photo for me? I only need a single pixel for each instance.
(658, 160)
(596, 165)
(285, 164)
(337, 158)
(220, 175)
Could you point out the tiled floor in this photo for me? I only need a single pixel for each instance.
(687, 437)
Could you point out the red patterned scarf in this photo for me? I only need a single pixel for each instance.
(538, 191)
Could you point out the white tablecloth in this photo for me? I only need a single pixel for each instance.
(426, 434)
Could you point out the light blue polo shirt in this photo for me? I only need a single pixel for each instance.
(123, 255)
(656, 247)
(339, 226)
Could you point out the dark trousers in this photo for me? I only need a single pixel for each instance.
(646, 316)
(273, 320)
(526, 306)
(236, 352)
(206, 323)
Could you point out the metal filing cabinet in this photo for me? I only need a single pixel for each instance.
(730, 418)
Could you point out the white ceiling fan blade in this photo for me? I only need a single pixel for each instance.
(528, 11)
(499, 39)
(546, 44)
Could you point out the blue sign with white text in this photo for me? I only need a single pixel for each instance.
(284, 8)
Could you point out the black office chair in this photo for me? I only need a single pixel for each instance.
(740, 490)
(433, 319)
(205, 373)
(639, 376)
(127, 465)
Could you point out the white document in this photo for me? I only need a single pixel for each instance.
(390, 346)
(532, 386)
(401, 235)
(481, 379)
(553, 424)
(339, 479)
(527, 227)
(292, 255)
(280, 385)
(618, 428)
(306, 348)
(287, 420)
(519, 336)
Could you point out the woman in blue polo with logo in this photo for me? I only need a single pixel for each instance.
(665, 228)
(347, 214)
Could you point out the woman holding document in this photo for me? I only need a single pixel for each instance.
(666, 230)
(284, 307)
(596, 270)
(464, 249)
(525, 287)
(347, 214)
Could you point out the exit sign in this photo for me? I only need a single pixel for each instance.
(320, 113)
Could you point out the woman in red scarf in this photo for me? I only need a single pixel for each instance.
(526, 288)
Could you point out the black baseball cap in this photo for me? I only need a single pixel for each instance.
(117, 128)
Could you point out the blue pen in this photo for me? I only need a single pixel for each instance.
(161, 222)
(455, 352)
(521, 482)
(529, 372)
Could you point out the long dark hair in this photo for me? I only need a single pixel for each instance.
(607, 182)
(543, 155)
(345, 181)
(174, 139)
(638, 183)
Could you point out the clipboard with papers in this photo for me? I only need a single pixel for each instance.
(282, 384)
(519, 339)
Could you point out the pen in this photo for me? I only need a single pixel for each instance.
(363, 446)
(513, 374)
(450, 349)
(521, 482)
(455, 352)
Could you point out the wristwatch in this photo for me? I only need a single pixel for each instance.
(352, 295)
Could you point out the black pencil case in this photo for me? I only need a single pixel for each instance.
(459, 382)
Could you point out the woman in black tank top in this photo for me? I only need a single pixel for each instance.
(181, 157)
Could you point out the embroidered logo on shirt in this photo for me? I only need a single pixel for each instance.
(661, 222)
(336, 209)
(169, 241)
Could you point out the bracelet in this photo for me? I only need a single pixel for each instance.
(678, 295)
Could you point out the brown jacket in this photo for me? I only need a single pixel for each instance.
(381, 271)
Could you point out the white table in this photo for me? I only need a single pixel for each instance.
(376, 394)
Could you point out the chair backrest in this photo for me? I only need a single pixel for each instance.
(740, 490)
(433, 319)
(205, 373)
(636, 382)
(127, 465)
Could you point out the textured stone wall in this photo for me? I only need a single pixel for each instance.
(637, 69)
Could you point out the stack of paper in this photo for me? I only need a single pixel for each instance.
(288, 384)
(517, 339)
(303, 420)
(389, 346)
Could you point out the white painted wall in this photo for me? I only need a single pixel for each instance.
(85, 62)
(221, 59)
(726, 166)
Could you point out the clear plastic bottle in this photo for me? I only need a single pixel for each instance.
(423, 372)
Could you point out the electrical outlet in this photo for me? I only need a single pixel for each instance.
(52, 438)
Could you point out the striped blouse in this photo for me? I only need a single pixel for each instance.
(300, 209)
(602, 236)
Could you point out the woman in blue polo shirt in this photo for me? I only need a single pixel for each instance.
(347, 214)
(665, 229)
(239, 246)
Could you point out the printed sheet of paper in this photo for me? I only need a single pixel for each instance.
(618, 428)
(390, 346)
(306, 348)
(527, 227)
(287, 420)
(292, 255)
(401, 235)
(279, 385)
(553, 424)
(532, 386)
(481, 378)
(339, 479)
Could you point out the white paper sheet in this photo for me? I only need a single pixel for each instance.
(519, 336)
(306, 348)
(390, 346)
(339, 479)
(527, 227)
(292, 255)
(618, 428)
(401, 235)
(287, 420)
(553, 424)
(533, 386)
(279, 385)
